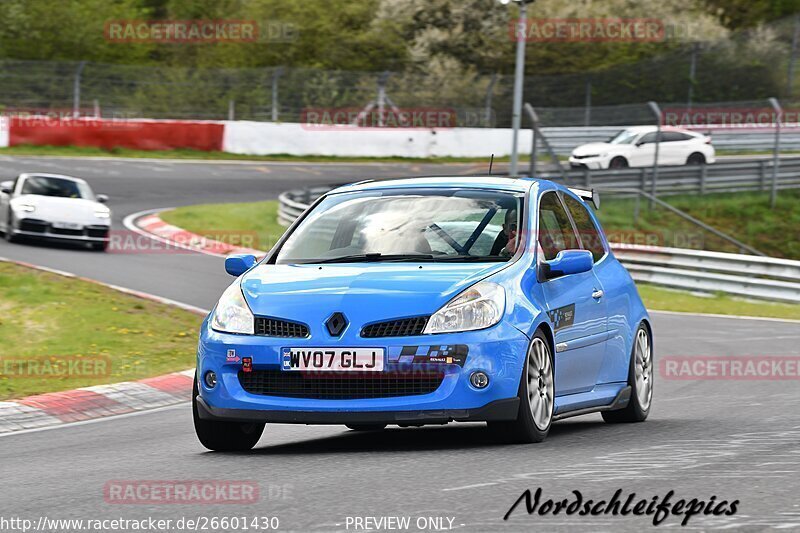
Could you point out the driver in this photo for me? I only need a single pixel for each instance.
(506, 242)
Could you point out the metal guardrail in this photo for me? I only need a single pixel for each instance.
(736, 176)
(565, 139)
(749, 276)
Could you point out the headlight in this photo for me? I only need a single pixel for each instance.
(25, 208)
(105, 213)
(232, 314)
(478, 307)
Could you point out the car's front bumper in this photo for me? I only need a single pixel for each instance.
(593, 163)
(41, 229)
(499, 352)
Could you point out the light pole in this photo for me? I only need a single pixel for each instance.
(519, 76)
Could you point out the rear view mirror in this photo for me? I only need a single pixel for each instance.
(238, 264)
(567, 262)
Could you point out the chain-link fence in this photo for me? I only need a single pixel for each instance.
(696, 72)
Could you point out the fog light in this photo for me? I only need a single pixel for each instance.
(479, 380)
(211, 379)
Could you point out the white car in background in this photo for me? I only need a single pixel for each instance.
(54, 207)
(636, 147)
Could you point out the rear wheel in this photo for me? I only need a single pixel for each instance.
(640, 379)
(536, 396)
(366, 427)
(224, 436)
(618, 162)
(696, 159)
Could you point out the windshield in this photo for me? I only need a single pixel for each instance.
(49, 186)
(407, 225)
(623, 137)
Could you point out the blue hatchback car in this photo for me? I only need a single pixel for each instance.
(426, 301)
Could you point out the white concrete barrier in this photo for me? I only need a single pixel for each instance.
(265, 138)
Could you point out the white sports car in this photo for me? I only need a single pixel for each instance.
(636, 147)
(54, 207)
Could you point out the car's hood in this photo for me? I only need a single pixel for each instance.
(594, 149)
(55, 209)
(363, 292)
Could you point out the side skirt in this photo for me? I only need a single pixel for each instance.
(620, 402)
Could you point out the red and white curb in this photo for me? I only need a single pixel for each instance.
(150, 224)
(88, 403)
(99, 401)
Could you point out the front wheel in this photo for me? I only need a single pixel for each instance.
(224, 436)
(696, 159)
(536, 396)
(640, 380)
(10, 237)
(618, 162)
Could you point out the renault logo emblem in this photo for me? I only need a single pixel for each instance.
(336, 324)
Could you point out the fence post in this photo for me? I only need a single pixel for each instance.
(657, 113)
(231, 110)
(587, 178)
(275, 75)
(534, 147)
(762, 166)
(643, 179)
(587, 113)
(776, 151)
(703, 179)
(76, 90)
(487, 114)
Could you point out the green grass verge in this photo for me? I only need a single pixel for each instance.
(82, 151)
(252, 224)
(745, 216)
(238, 219)
(720, 304)
(58, 333)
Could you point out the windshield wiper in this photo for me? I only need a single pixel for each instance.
(373, 257)
(472, 258)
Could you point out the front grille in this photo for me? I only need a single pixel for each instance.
(395, 328)
(274, 327)
(341, 385)
(33, 225)
(63, 231)
(99, 232)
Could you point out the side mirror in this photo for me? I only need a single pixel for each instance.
(6, 187)
(102, 198)
(567, 262)
(639, 143)
(238, 264)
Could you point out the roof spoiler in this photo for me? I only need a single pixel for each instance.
(587, 196)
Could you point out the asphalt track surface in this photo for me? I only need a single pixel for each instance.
(736, 440)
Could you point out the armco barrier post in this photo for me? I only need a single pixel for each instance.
(776, 150)
(275, 75)
(703, 179)
(76, 90)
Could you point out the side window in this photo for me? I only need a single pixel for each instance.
(555, 229)
(648, 138)
(589, 234)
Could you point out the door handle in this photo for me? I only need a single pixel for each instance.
(597, 294)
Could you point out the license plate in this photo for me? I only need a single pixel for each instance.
(333, 359)
(66, 225)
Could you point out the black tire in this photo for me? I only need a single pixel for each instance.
(618, 162)
(224, 436)
(365, 427)
(9, 235)
(635, 410)
(524, 429)
(99, 246)
(696, 158)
